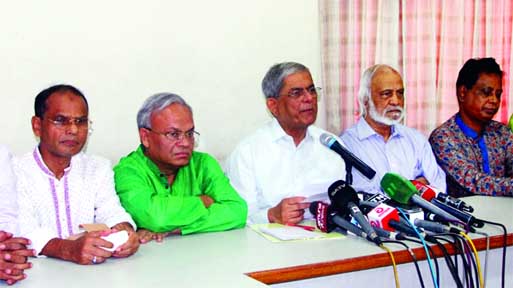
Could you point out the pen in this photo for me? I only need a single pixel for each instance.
(308, 228)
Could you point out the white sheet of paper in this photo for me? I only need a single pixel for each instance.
(315, 192)
(315, 189)
(290, 233)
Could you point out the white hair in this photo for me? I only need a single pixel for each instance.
(364, 94)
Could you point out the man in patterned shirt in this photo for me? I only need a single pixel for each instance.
(475, 151)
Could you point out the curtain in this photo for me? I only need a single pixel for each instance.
(427, 41)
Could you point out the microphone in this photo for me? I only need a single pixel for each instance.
(381, 216)
(454, 202)
(463, 216)
(435, 227)
(321, 212)
(427, 192)
(324, 219)
(343, 198)
(403, 228)
(435, 218)
(350, 159)
(372, 202)
(404, 192)
(378, 198)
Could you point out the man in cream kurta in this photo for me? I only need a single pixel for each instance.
(60, 187)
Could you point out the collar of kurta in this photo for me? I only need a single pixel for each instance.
(42, 165)
(151, 165)
(365, 131)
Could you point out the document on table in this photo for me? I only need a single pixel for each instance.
(279, 233)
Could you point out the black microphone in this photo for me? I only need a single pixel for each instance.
(317, 208)
(463, 216)
(344, 198)
(402, 227)
(350, 159)
(325, 218)
(454, 202)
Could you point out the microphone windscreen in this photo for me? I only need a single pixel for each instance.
(397, 187)
(511, 122)
(321, 214)
(340, 194)
(313, 207)
(427, 192)
(326, 139)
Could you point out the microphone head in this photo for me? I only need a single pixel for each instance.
(321, 212)
(427, 192)
(340, 194)
(327, 139)
(397, 187)
(313, 207)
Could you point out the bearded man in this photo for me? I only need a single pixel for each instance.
(381, 141)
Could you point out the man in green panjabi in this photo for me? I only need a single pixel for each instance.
(166, 186)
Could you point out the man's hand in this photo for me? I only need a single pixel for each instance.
(146, 236)
(288, 211)
(13, 257)
(422, 180)
(131, 245)
(207, 200)
(84, 250)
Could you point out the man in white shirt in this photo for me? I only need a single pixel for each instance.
(61, 187)
(284, 161)
(8, 205)
(13, 250)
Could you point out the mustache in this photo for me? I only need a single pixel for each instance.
(393, 108)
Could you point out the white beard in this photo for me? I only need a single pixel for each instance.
(383, 119)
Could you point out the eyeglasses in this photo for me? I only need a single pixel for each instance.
(63, 122)
(296, 93)
(177, 135)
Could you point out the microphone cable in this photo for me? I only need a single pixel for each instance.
(434, 276)
(402, 236)
(505, 237)
(486, 255)
(413, 257)
(476, 256)
(462, 249)
(457, 252)
(448, 260)
(396, 275)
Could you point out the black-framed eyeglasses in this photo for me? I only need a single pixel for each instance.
(296, 93)
(177, 135)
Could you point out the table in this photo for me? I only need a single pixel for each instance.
(236, 258)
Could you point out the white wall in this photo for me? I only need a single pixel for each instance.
(213, 53)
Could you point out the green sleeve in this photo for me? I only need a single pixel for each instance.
(148, 201)
(228, 211)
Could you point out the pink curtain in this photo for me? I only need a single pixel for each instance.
(427, 41)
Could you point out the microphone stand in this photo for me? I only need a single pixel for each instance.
(349, 172)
